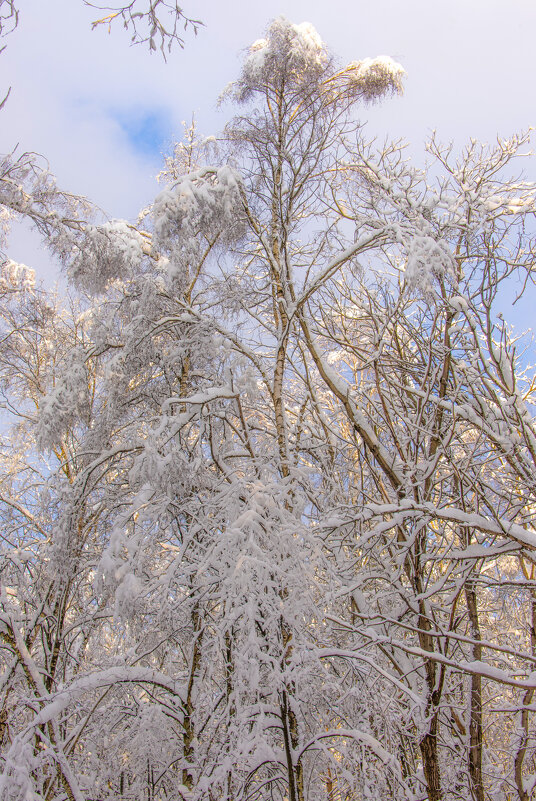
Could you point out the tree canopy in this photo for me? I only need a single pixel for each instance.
(268, 471)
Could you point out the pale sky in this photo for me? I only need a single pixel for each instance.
(102, 112)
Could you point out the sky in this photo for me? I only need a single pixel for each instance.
(103, 112)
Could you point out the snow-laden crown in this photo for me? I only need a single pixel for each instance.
(294, 56)
(300, 46)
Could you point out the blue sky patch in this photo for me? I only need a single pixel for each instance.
(148, 131)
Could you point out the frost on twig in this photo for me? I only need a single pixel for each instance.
(9, 16)
(157, 23)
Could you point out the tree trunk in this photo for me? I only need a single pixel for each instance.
(430, 761)
(475, 711)
(290, 735)
(527, 699)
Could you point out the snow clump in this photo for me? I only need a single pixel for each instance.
(15, 277)
(203, 204)
(67, 401)
(295, 51)
(299, 44)
(427, 259)
(108, 252)
(372, 78)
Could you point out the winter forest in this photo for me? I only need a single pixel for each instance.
(268, 471)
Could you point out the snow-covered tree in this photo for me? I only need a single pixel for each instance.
(267, 501)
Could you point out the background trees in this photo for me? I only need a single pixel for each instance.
(268, 499)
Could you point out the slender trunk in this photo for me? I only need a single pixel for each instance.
(522, 750)
(290, 735)
(430, 761)
(434, 680)
(522, 790)
(475, 712)
(330, 785)
(150, 782)
(188, 727)
(298, 767)
(59, 613)
(229, 671)
(279, 408)
(281, 282)
(280, 319)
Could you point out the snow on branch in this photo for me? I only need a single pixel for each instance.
(99, 680)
